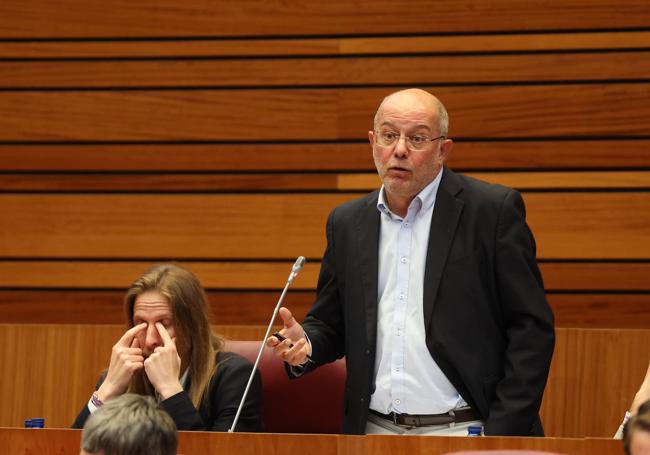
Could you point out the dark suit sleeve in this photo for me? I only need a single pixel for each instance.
(324, 323)
(80, 421)
(528, 323)
(224, 396)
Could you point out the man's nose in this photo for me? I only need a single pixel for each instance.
(401, 149)
(152, 339)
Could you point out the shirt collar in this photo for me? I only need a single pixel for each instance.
(424, 199)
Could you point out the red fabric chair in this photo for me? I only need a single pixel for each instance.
(310, 404)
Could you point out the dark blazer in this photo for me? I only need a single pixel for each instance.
(219, 405)
(488, 325)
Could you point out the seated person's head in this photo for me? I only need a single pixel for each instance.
(129, 425)
(636, 433)
(173, 296)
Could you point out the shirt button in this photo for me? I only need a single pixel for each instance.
(398, 401)
(406, 225)
(403, 260)
(402, 296)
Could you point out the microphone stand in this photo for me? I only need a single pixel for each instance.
(297, 266)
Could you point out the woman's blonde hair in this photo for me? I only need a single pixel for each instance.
(191, 320)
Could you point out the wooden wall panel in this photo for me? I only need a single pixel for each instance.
(593, 378)
(311, 114)
(340, 156)
(566, 225)
(559, 276)
(56, 441)
(469, 69)
(589, 309)
(548, 180)
(221, 135)
(115, 18)
(326, 46)
(292, 182)
(56, 366)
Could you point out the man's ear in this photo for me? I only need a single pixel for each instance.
(445, 149)
(371, 137)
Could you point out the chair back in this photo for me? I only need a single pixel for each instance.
(309, 404)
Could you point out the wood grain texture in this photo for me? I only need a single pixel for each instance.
(297, 72)
(251, 275)
(315, 114)
(65, 182)
(286, 182)
(56, 441)
(607, 311)
(566, 225)
(597, 371)
(326, 46)
(249, 307)
(338, 156)
(594, 376)
(115, 18)
(230, 308)
(523, 180)
(603, 276)
(207, 157)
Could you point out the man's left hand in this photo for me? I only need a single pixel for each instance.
(163, 366)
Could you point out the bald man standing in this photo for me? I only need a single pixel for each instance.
(430, 288)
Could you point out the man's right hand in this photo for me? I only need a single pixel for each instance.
(295, 348)
(126, 360)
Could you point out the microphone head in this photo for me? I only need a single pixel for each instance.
(298, 265)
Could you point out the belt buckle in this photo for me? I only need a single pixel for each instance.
(453, 419)
(394, 415)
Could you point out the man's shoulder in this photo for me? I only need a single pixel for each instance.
(353, 206)
(471, 187)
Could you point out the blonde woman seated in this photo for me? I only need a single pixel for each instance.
(169, 352)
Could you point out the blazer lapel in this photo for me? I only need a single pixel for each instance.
(367, 225)
(444, 221)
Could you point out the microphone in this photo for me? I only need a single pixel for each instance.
(297, 267)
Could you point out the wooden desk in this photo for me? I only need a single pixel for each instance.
(16, 441)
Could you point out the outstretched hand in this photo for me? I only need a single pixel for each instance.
(294, 349)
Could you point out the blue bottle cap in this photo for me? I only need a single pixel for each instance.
(474, 431)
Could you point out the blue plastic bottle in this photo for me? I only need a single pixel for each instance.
(38, 422)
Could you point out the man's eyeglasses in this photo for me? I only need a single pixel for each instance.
(413, 141)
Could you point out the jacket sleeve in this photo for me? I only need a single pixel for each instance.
(324, 323)
(80, 421)
(528, 325)
(223, 398)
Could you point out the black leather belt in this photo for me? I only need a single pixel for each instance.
(411, 420)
